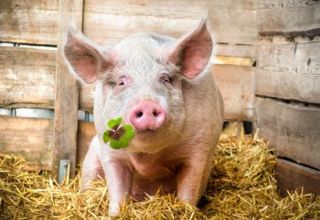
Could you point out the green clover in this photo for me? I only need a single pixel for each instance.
(119, 136)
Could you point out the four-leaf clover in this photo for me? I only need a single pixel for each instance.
(119, 136)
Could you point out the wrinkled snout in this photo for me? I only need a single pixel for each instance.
(147, 115)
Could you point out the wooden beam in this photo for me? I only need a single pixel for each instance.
(67, 91)
(292, 129)
(27, 77)
(291, 176)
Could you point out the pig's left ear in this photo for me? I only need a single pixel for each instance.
(192, 51)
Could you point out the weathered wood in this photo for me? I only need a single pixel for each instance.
(109, 21)
(292, 176)
(293, 129)
(289, 70)
(85, 134)
(287, 16)
(236, 86)
(239, 61)
(86, 97)
(31, 21)
(67, 92)
(233, 25)
(27, 137)
(27, 77)
(235, 50)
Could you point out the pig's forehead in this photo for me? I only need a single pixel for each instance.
(142, 44)
(143, 52)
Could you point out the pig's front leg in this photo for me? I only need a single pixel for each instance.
(91, 167)
(119, 179)
(192, 179)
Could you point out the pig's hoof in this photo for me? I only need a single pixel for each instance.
(114, 211)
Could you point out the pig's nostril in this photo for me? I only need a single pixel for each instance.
(139, 114)
(156, 113)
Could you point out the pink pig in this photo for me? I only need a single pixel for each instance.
(162, 86)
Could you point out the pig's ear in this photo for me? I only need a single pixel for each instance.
(192, 51)
(84, 57)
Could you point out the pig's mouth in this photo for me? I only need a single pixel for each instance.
(146, 131)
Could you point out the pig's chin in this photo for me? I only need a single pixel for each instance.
(148, 141)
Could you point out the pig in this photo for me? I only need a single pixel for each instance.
(163, 87)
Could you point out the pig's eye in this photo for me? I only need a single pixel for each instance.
(122, 81)
(164, 79)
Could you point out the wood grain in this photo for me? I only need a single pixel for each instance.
(85, 134)
(27, 77)
(236, 86)
(31, 21)
(86, 97)
(286, 16)
(235, 50)
(293, 176)
(293, 129)
(107, 22)
(289, 70)
(27, 137)
(67, 93)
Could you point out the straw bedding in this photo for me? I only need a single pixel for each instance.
(242, 186)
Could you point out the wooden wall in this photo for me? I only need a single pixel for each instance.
(287, 81)
(31, 68)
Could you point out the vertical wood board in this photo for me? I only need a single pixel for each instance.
(67, 94)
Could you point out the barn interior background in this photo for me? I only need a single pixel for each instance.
(267, 65)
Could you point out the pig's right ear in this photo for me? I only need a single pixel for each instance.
(84, 57)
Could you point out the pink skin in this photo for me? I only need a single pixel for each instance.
(147, 115)
(160, 85)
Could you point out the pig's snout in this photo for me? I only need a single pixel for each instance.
(147, 115)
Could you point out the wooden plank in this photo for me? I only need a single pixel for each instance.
(109, 21)
(235, 50)
(239, 61)
(293, 129)
(27, 77)
(236, 86)
(233, 25)
(27, 137)
(292, 176)
(287, 16)
(85, 134)
(67, 92)
(31, 21)
(289, 70)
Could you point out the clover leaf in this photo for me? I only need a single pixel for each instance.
(119, 136)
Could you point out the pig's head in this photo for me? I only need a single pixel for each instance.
(140, 80)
